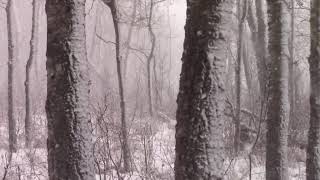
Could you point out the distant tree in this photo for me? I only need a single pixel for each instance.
(150, 57)
(12, 58)
(69, 142)
(278, 106)
(32, 58)
(257, 24)
(124, 130)
(313, 151)
(201, 98)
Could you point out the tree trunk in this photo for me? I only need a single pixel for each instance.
(69, 142)
(243, 11)
(279, 106)
(124, 130)
(313, 151)
(12, 58)
(31, 59)
(291, 64)
(201, 98)
(259, 38)
(150, 57)
(128, 42)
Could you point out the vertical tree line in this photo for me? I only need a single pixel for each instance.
(32, 58)
(278, 105)
(12, 58)
(200, 133)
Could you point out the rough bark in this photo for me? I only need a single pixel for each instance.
(124, 130)
(278, 106)
(201, 98)
(12, 58)
(69, 143)
(313, 150)
(31, 59)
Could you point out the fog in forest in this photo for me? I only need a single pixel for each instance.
(159, 89)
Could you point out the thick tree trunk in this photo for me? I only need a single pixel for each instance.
(69, 144)
(12, 58)
(279, 106)
(201, 98)
(313, 151)
(31, 59)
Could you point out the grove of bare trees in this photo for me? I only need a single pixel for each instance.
(160, 89)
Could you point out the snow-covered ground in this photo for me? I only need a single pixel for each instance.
(32, 164)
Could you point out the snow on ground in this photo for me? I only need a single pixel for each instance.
(25, 165)
(32, 164)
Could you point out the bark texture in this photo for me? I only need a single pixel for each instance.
(278, 105)
(12, 58)
(70, 155)
(313, 150)
(31, 59)
(201, 98)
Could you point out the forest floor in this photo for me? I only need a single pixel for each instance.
(32, 164)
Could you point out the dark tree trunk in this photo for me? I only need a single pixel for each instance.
(31, 59)
(12, 58)
(201, 98)
(69, 144)
(279, 106)
(124, 130)
(313, 151)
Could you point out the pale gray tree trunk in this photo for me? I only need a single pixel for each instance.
(69, 142)
(256, 21)
(313, 150)
(32, 58)
(278, 106)
(12, 58)
(242, 12)
(128, 41)
(201, 98)
(124, 130)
